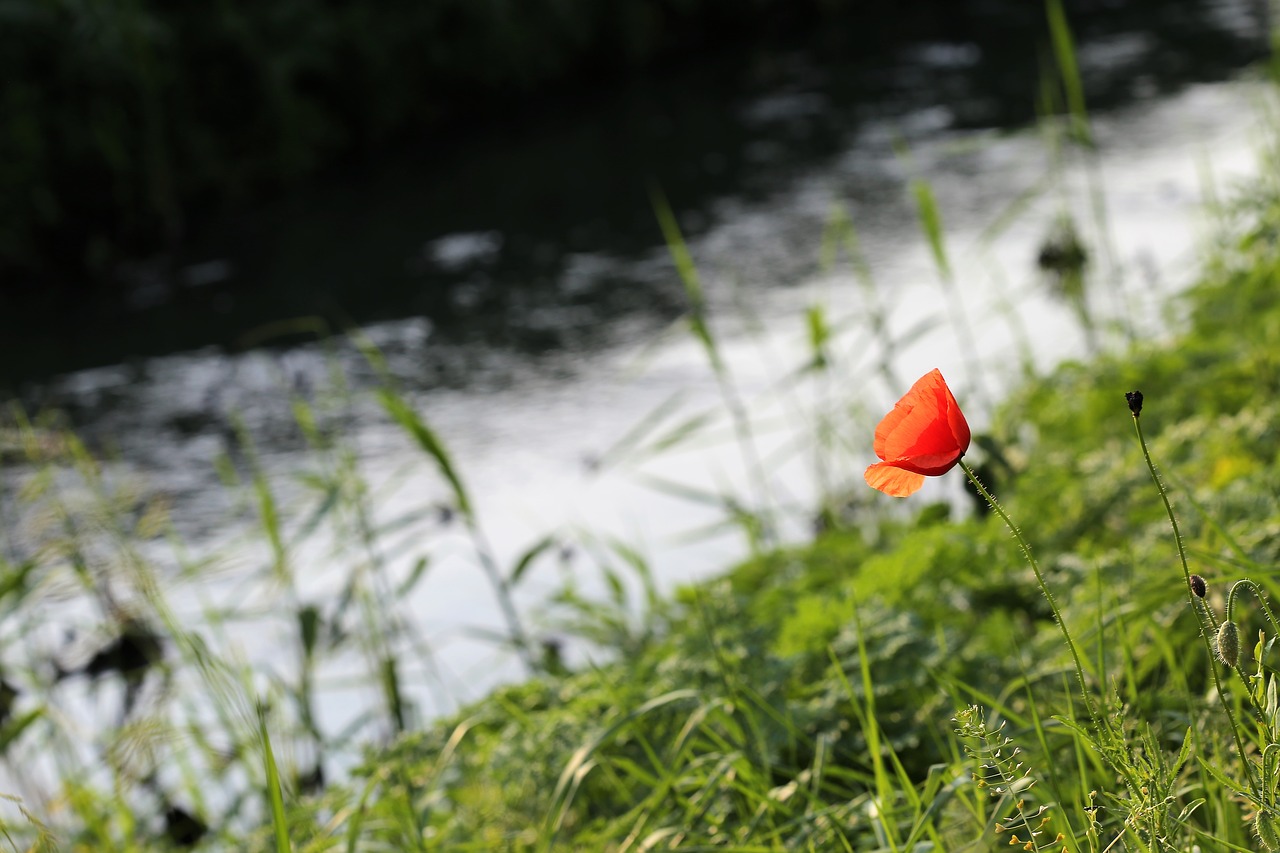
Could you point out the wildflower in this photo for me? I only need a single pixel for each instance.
(924, 436)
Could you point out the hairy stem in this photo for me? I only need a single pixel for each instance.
(1206, 628)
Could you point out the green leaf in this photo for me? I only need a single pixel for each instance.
(426, 438)
(931, 222)
(688, 273)
(17, 726)
(527, 558)
(275, 793)
(415, 575)
(1064, 52)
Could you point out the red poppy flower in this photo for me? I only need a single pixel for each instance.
(924, 436)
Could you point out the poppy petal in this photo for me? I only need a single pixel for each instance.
(915, 430)
(893, 481)
(959, 428)
(931, 465)
(955, 418)
(934, 439)
(925, 434)
(888, 427)
(926, 428)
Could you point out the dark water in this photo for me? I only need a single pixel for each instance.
(525, 236)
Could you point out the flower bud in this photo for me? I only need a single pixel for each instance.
(1198, 586)
(1228, 643)
(1267, 830)
(1135, 402)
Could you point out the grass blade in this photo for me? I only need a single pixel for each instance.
(688, 273)
(275, 793)
(1064, 52)
(931, 222)
(401, 412)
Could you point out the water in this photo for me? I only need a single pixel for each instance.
(535, 335)
(527, 235)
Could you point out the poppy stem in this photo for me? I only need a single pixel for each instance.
(1044, 587)
(1207, 629)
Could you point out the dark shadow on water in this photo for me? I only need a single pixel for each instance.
(533, 234)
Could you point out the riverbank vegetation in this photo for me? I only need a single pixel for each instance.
(902, 686)
(900, 683)
(897, 684)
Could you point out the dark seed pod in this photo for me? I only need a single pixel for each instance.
(1135, 402)
(1228, 643)
(1198, 586)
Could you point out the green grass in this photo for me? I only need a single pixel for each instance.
(806, 699)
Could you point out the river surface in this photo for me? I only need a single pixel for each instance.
(535, 391)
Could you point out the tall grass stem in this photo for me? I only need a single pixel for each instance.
(1206, 629)
(763, 534)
